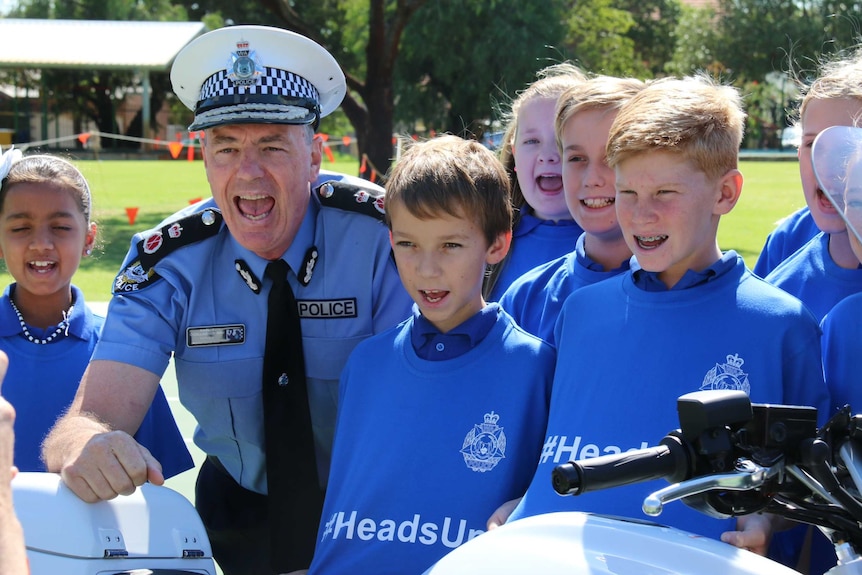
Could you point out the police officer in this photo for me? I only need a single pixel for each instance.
(196, 287)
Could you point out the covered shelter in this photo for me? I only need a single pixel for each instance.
(140, 46)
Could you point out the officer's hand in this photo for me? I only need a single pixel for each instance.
(501, 514)
(111, 464)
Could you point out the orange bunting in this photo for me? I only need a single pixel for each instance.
(329, 155)
(132, 213)
(175, 148)
(83, 138)
(194, 201)
(363, 166)
(324, 137)
(345, 140)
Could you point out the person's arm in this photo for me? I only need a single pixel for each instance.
(13, 556)
(91, 446)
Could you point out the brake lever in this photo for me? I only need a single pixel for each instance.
(747, 476)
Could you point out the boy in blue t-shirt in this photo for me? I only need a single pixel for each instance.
(441, 418)
(583, 117)
(686, 317)
(824, 271)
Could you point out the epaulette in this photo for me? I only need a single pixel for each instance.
(159, 243)
(366, 200)
(188, 230)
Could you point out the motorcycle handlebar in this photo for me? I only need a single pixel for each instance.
(669, 460)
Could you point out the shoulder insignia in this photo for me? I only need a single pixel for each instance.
(193, 228)
(134, 278)
(366, 200)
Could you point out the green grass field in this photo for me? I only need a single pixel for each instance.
(159, 188)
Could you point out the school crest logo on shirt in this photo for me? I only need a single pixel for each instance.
(485, 445)
(727, 376)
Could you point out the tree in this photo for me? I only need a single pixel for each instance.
(766, 48)
(652, 31)
(598, 38)
(758, 36)
(507, 42)
(694, 40)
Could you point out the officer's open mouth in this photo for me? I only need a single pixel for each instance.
(254, 207)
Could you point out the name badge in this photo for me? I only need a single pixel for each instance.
(327, 308)
(215, 335)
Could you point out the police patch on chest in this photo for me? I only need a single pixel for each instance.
(327, 308)
(215, 335)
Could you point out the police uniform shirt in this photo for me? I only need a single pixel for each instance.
(200, 302)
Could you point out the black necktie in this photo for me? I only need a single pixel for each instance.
(295, 498)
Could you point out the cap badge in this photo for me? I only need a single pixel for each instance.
(245, 67)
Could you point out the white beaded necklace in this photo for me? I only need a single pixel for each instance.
(62, 327)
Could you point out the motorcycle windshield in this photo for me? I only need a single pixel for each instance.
(836, 156)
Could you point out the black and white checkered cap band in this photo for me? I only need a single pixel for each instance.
(276, 96)
(272, 81)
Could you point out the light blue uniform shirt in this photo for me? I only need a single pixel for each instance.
(201, 308)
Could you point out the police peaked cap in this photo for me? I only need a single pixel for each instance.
(256, 75)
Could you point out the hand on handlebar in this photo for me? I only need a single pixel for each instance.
(754, 532)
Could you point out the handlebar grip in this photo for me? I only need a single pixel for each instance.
(667, 460)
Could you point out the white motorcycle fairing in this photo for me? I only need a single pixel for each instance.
(153, 530)
(575, 543)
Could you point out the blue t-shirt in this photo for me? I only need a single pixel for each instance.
(813, 276)
(842, 365)
(624, 356)
(842, 352)
(535, 298)
(42, 380)
(792, 233)
(534, 242)
(427, 450)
